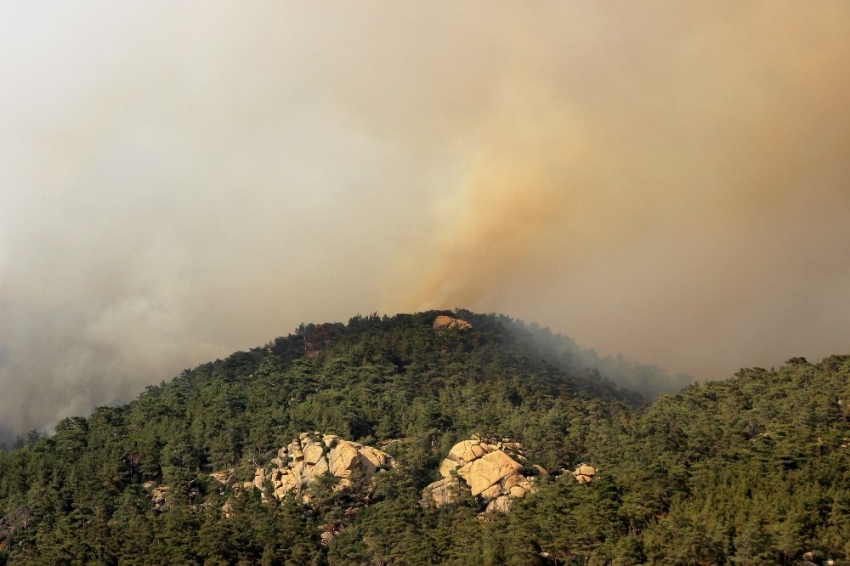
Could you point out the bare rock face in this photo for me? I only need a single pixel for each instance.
(484, 468)
(486, 471)
(443, 492)
(584, 473)
(501, 504)
(443, 321)
(311, 455)
(224, 477)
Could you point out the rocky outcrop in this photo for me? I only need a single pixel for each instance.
(225, 477)
(329, 532)
(443, 322)
(482, 468)
(444, 491)
(311, 455)
(584, 473)
(158, 495)
(484, 473)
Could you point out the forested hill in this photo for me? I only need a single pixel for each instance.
(753, 470)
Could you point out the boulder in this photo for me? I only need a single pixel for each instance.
(321, 467)
(492, 492)
(159, 496)
(518, 491)
(224, 477)
(443, 322)
(447, 467)
(259, 478)
(512, 480)
(313, 452)
(293, 449)
(584, 473)
(442, 492)
(372, 459)
(298, 469)
(486, 471)
(474, 452)
(342, 459)
(459, 449)
(501, 504)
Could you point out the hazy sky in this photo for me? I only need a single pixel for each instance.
(179, 180)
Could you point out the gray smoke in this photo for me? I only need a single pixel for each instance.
(179, 181)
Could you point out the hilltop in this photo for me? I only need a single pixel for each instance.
(324, 447)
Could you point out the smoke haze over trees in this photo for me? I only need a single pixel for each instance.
(664, 181)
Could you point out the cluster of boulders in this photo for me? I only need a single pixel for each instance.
(311, 455)
(443, 322)
(497, 470)
(485, 468)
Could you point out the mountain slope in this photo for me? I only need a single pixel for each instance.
(751, 470)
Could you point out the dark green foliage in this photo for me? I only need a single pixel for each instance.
(754, 470)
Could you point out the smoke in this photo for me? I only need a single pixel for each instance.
(178, 182)
(678, 195)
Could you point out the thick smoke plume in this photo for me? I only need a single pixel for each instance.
(665, 180)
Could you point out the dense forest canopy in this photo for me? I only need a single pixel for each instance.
(752, 470)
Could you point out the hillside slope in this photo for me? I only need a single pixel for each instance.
(750, 470)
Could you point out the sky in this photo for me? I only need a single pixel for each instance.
(180, 179)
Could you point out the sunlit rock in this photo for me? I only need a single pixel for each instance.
(584, 473)
(443, 321)
(304, 460)
(488, 469)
